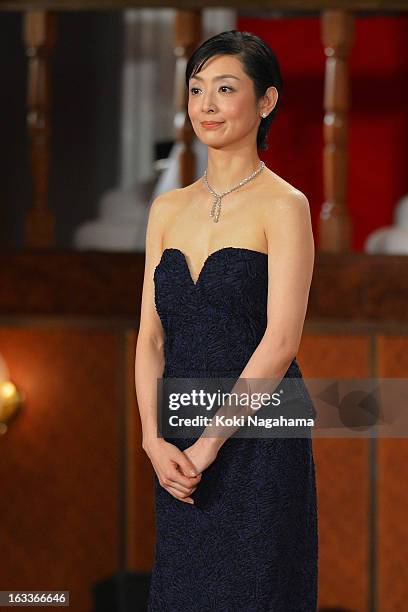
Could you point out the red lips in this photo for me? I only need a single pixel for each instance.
(211, 123)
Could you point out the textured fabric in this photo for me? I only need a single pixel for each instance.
(250, 541)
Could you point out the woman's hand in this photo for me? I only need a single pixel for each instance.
(202, 453)
(173, 469)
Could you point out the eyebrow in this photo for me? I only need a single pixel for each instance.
(217, 78)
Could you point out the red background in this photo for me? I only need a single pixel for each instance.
(378, 130)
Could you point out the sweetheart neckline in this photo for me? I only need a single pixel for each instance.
(227, 248)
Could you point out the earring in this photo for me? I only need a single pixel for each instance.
(264, 115)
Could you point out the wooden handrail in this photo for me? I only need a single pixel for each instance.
(289, 5)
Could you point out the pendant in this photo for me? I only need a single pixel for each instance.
(216, 209)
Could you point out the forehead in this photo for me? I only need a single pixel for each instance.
(220, 66)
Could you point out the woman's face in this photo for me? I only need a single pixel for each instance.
(228, 100)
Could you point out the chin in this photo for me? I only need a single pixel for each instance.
(215, 144)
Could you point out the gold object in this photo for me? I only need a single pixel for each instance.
(11, 400)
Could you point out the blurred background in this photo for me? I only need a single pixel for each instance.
(94, 126)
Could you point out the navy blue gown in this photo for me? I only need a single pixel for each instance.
(249, 542)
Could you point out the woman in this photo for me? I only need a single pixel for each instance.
(229, 262)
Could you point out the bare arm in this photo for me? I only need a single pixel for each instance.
(166, 458)
(290, 269)
(149, 361)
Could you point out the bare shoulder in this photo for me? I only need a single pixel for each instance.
(282, 202)
(166, 198)
(163, 206)
(174, 197)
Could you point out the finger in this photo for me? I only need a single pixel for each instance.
(187, 466)
(184, 463)
(179, 487)
(178, 496)
(176, 475)
(168, 480)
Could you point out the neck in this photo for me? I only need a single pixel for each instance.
(226, 170)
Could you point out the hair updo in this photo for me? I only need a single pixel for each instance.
(259, 63)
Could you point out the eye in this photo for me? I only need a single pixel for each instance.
(193, 89)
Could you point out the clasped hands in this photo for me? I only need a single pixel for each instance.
(179, 472)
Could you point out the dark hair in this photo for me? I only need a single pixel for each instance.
(259, 63)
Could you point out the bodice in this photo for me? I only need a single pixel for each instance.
(213, 326)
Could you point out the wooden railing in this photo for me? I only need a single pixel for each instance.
(337, 27)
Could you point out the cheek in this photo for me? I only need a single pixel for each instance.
(238, 109)
(238, 113)
(192, 108)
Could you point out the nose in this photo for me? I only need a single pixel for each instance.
(207, 103)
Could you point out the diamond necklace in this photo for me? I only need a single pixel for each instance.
(216, 207)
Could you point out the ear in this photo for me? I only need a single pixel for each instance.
(268, 100)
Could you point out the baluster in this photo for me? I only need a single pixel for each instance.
(39, 34)
(334, 222)
(187, 36)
